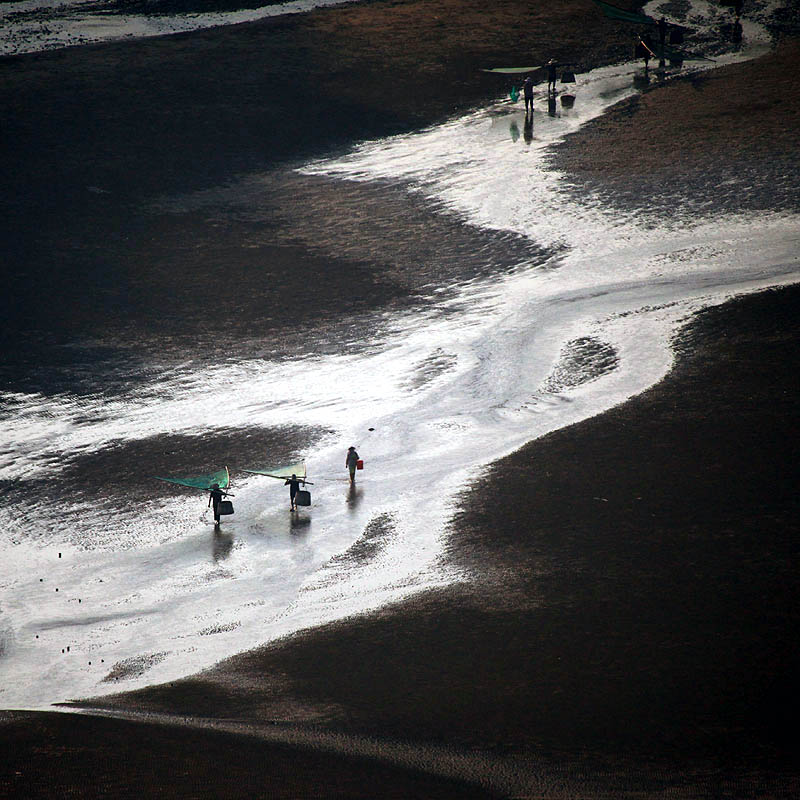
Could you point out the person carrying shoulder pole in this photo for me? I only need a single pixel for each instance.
(215, 497)
(294, 487)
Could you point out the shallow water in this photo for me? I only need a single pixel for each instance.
(525, 311)
(32, 25)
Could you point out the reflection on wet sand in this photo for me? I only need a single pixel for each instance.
(354, 496)
(300, 524)
(221, 546)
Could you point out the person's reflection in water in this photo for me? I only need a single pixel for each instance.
(299, 524)
(527, 131)
(222, 545)
(353, 496)
(551, 104)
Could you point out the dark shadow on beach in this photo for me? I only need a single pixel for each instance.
(69, 755)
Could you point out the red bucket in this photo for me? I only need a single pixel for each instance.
(360, 463)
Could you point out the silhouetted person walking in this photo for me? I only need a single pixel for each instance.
(527, 89)
(662, 41)
(551, 76)
(294, 487)
(215, 497)
(351, 462)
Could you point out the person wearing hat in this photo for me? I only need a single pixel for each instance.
(551, 75)
(351, 462)
(294, 487)
(527, 88)
(215, 497)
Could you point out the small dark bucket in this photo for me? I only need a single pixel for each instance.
(225, 508)
(303, 498)
(567, 100)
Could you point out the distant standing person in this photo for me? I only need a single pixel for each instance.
(551, 75)
(662, 41)
(215, 497)
(351, 462)
(662, 32)
(647, 50)
(527, 88)
(294, 487)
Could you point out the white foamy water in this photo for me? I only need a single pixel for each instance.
(33, 25)
(100, 598)
(30, 26)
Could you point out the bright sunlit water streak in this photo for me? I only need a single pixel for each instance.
(149, 593)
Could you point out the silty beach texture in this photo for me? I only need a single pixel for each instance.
(632, 628)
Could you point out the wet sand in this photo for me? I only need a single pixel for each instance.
(633, 623)
(91, 137)
(725, 140)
